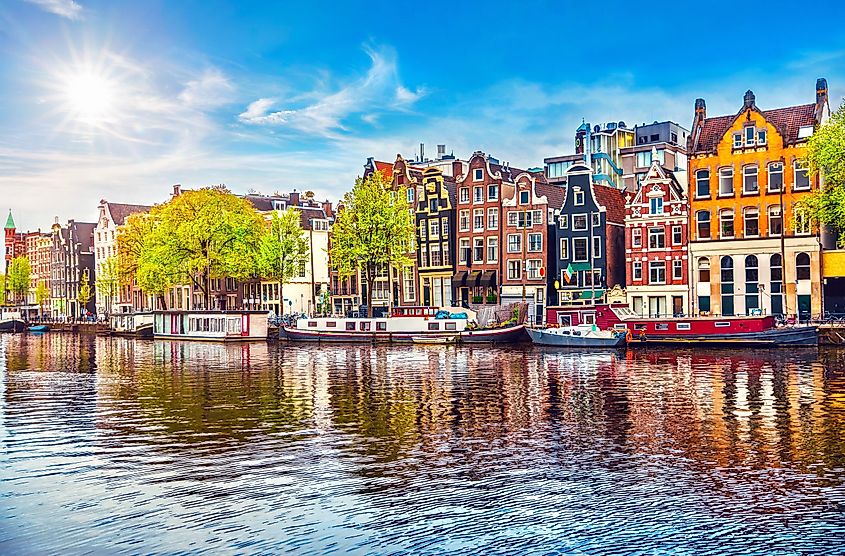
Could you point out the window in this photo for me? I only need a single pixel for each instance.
(749, 180)
(444, 227)
(801, 221)
(702, 183)
(656, 272)
(579, 222)
(423, 230)
(776, 284)
(514, 243)
(726, 181)
(512, 215)
(637, 270)
(478, 174)
(523, 197)
(535, 242)
(726, 223)
(751, 218)
(643, 159)
(537, 217)
(464, 195)
(727, 276)
(655, 205)
(514, 270)
(409, 194)
(564, 221)
(579, 198)
(434, 249)
(656, 238)
(433, 205)
(564, 248)
(478, 194)
(775, 176)
(434, 229)
(677, 270)
(478, 250)
(802, 266)
(702, 220)
(802, 175)
(492, 249)
(478, 219)
(596, 247)
(677, 235)
(408, 283)
(492, 218)
(464, 220)
(775, 221)
(737, 140)
(492, 192)
(579, 249)
(463, 250)
(524, 219)
(761, 137)
(595, 219)
(532, 268)
(750, 136)
(703, 269)
(636, 237)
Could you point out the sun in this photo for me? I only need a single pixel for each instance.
(89, 96)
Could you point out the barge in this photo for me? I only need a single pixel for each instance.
(216, 326)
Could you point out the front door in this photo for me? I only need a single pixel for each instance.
(804, 307)
(677, 305)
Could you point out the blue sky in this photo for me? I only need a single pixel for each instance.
(120, 100)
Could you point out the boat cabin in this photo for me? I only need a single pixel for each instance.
(211, 325)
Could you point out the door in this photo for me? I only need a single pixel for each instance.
(245, 325)
(677, 305)
(804, 307)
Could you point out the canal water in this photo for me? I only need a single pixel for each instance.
(111, 446)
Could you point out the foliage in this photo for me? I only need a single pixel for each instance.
(42, 294)
(197, 236)
(283, 249)
(371, 232)
(18, 278)
(108, 281)
(85, 292)
(3, 287)
(826, 156)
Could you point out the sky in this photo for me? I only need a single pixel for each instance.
(120, 100)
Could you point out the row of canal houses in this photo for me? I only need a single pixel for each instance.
(669, 220)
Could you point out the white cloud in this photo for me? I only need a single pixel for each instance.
(210, 90)
(63, 8)
(325, 112)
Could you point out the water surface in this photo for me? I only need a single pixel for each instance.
(111, 445)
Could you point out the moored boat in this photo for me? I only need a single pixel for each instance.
(38, 328)
(510, 334)
(134, 325)
(11, 321)
(210, 325)
(582, 335)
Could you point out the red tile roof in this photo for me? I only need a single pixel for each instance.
(613, 200)
(787, 120)
(554, 193)
(386, 169)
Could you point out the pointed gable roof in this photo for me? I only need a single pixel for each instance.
(788, 122)
(121, 211)
(10, 222)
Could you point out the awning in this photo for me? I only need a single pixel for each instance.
(591, 294)
(474, 279)
(488, 278)
(579, 266)
(459, 278)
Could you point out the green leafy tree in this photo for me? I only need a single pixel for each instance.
(826, 155)
(85, 292)
(371, 232)
(135, 262)
(42, 295)
(108, 281)
(3, 287)
(18, 278)
(283, 250)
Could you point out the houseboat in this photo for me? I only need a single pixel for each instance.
(582, 335)
(755, 330)
(210, 325)
(419, 325)
(136, 325)
(11, 321)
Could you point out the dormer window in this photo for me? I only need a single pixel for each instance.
(579, 198)
(750, 136)
(523, 197)
(737, 140)
(478, 174)
(805, 131)
(761, 137)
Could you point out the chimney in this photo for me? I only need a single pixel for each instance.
(822, 108)
(457, 168)
(177, 190)
(294, 198)
(422, 152)
(700, 108)
(327, 208)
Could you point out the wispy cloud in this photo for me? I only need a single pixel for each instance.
(64, 8)
(210, 90)
(325, 111)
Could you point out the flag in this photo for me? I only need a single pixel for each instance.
(568, 272)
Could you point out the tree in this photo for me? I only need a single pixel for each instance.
(108, 281)
(283, 250)
(3, 286)
(371, 232)
(826, 156)
(18, 278)
(85, 292)
(193, 238)
(42, 294)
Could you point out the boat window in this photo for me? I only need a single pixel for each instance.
(620, 327)
(381, 325)
(722, 324)
(331, 324)
(576, 332)
(434, 326)
(682, 326)
(451, 326)
(312, 323)
(640, 326)
(365, 325)
(350, 326)
(661, 326)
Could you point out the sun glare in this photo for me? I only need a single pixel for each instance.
(89, 96)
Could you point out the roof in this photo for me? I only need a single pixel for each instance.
(120, 211)
(386, 169)
(787, 120)
(554, 193)
(306, 214)
(10, 222)
(612, 200)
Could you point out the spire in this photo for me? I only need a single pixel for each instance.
(10, 222)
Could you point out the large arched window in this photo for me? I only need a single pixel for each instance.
(702, 183)
(727, 276)
(802, 266)
(702, 221)
(776, 283)
(703, 269)
(752, 277)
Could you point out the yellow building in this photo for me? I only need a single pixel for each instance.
(750, 249)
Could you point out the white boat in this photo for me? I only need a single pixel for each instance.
(138, 325)
(210, 325)
(11, 321)
(582, 335)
